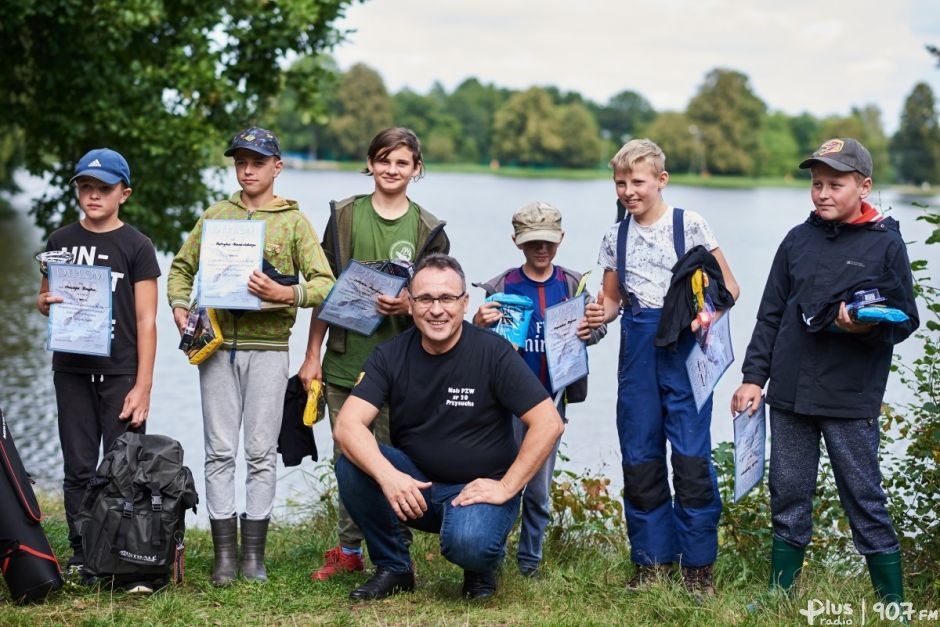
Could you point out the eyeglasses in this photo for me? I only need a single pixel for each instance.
(426, 301)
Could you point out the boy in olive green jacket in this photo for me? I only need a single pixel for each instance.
(243, 383)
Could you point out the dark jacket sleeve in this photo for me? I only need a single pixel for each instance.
(756, 366)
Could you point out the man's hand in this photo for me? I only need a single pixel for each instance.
(393, 305)
(136, 406)
(404, 495)
(487, 315)
(269, 290)
(310, 370)
(482, 491)
(181, 318)
(844, 321)
(746, 394)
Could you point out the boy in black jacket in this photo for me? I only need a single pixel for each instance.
(827, 371)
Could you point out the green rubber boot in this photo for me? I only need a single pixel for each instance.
(785, 564)
(886, 576)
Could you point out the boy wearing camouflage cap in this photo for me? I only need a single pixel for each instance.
(538, 234)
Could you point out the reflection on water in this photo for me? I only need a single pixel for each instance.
(749, 225)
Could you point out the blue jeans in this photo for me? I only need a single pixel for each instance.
(536, 503)
(472, 536)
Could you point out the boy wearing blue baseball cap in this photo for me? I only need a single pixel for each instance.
(98, 397)
(826, 370)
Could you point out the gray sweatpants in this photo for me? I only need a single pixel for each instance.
(248, 391)
(853, 451)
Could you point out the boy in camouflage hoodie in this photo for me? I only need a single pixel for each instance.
(244, 381)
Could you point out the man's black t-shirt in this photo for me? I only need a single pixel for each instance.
(452, 413)
(132, 258)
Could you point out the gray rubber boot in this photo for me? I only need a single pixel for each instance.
(254, 537)
(225, 546)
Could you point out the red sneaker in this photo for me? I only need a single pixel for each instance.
(336, 562)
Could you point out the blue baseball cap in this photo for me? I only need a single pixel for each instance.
(104, 164)
(256, 139)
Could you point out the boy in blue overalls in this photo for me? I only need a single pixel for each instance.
(655, 401)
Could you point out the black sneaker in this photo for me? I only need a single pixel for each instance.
(478, 586)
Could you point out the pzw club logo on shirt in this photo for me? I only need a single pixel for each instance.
(460, 397)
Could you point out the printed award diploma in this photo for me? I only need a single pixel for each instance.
(564, 350)
(706, 367)
(750, 440)
(351, 302)
(230, 250)
(81, 323)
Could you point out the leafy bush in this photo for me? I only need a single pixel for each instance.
(913, 483)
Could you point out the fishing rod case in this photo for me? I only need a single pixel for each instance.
(26, 559)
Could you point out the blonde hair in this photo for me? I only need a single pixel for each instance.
(639, 151)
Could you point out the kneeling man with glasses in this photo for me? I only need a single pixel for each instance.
(453, 467)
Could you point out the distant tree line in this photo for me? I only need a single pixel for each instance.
(725, 128)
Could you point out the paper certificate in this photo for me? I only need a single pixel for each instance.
(706, 367)
(229, 252)
(81, 323)
(351, 302)
(564, 350)
(750, 438)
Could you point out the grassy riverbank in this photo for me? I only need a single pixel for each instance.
(582, 585)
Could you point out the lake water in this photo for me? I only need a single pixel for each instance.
(749, 225)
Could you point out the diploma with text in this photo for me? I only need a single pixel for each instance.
(230, 250)
(81, 323)
(564, 350)
(351, 302)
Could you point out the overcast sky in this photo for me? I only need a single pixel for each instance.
(821, 56)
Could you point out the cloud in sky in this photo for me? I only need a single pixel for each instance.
(801, 55)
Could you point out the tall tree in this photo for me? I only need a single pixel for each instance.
(474, 105)
(623, 115)
(581, 143)
(680, 141)
(729, 114)
(438, 130)
(527, 129)
(779, 152)
(360, 108)
(165, 82)
(915, 148)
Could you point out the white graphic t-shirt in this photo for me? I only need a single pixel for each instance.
(651, 254)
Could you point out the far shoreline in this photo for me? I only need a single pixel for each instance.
(570, 174)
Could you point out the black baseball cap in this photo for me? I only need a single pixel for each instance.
(843, 155)
(256, 139)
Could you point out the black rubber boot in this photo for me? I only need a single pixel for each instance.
(254, 537)
(225, 545)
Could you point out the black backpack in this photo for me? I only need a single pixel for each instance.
(133, 515)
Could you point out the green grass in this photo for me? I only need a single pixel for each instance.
(582, 584)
